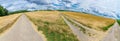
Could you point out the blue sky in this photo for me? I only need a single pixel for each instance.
(107, 4)
(108, 7)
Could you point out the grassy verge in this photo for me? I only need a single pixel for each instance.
(107, 27)
(52, 25)
(91, 21)
(118, 21)
(4, 24)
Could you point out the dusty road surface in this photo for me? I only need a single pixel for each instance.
(113, 33)
(76, 31)
(22, 30)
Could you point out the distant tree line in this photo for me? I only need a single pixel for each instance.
(19, 11)
(3, 11)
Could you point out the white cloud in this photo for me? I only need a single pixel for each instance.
(106, 6)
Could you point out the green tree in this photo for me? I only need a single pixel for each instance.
(3, 11)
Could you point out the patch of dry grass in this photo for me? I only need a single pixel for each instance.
(7, 21)
(95, 22)
(52, 25)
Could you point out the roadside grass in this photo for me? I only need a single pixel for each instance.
(7, 21)
(118, 21)
(91, 21)
(52, 25)
(107, 27)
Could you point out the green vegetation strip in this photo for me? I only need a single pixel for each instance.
(107, 27)
(118, 21)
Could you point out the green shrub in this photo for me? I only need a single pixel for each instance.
(3, 11)
(118, 21)
(107, 27)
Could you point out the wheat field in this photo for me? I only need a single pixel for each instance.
(52, 25)
(7, 21)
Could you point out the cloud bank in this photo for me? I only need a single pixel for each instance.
(106, 8)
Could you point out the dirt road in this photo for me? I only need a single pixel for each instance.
(22, 30)
(76, 31)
